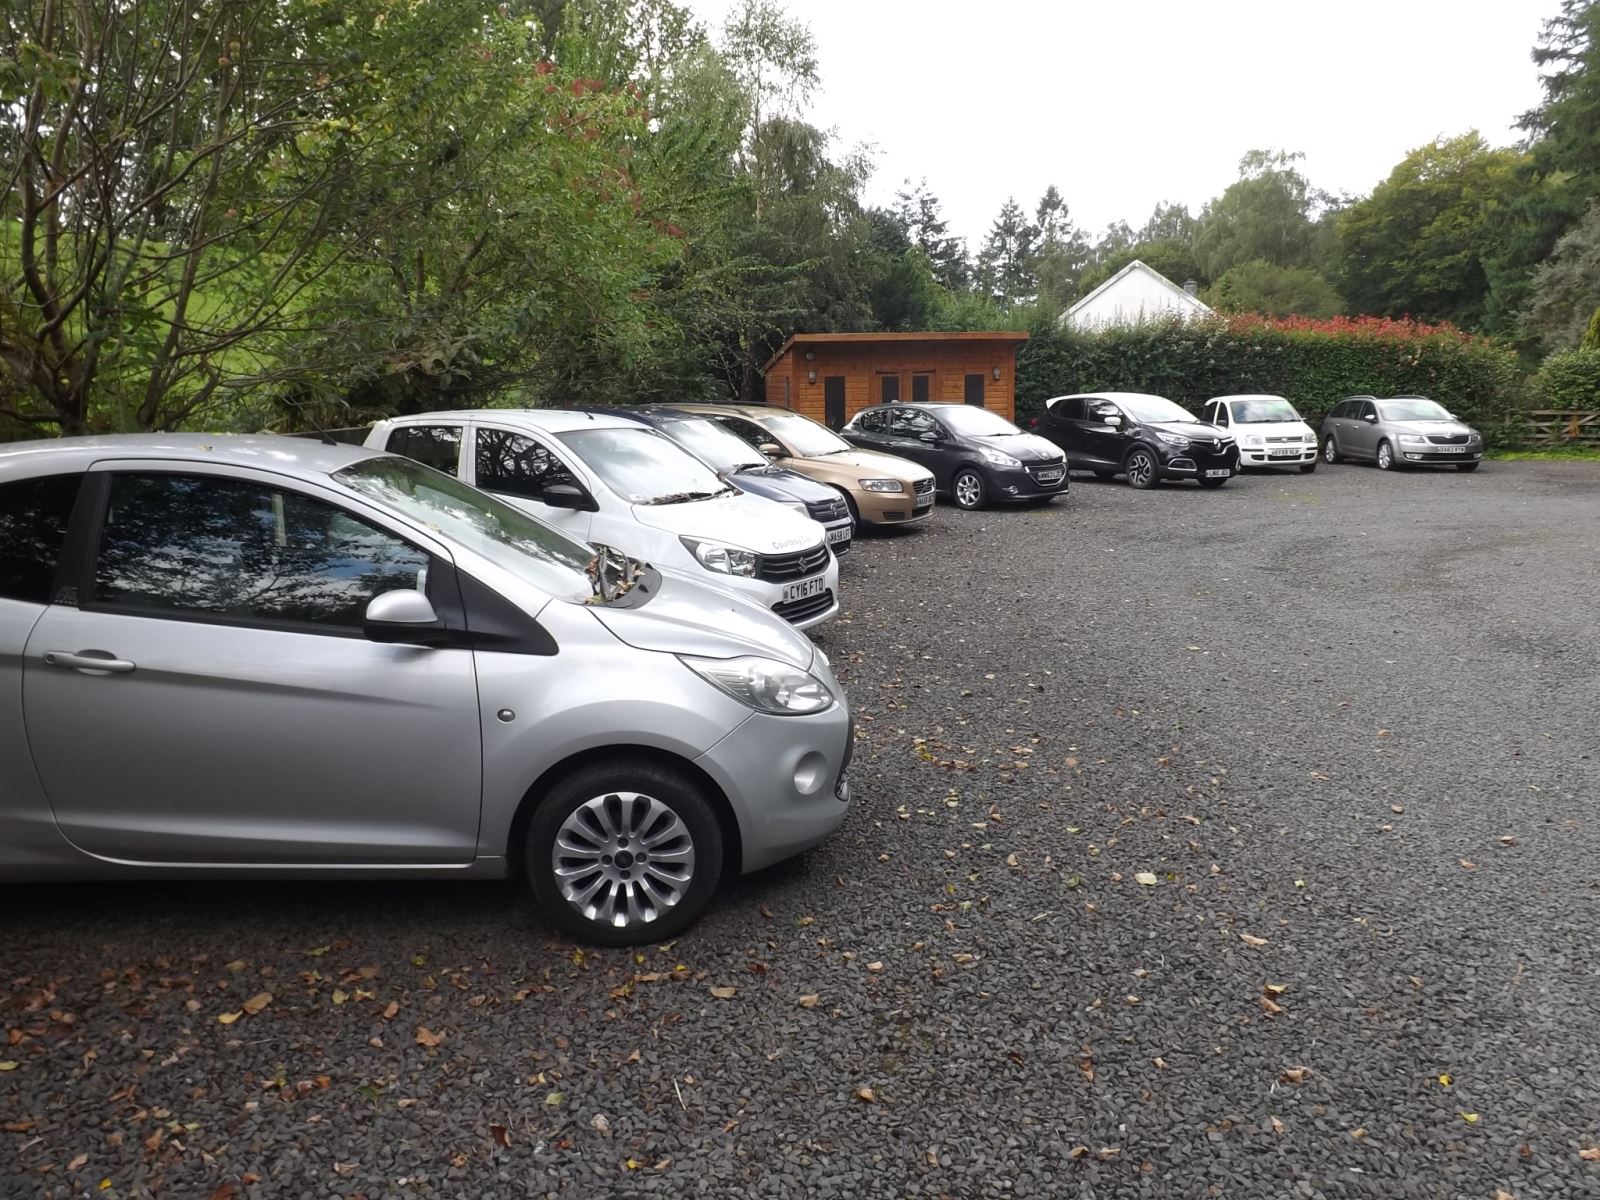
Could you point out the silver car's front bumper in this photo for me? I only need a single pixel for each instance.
(784, 778)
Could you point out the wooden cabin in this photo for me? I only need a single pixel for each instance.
(830, 377)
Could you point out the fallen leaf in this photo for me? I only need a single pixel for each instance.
(662, 1165)
(228, 1018)
(257, 1002)
(600, 1124)
(1277, 1126)
(1502, 1194)
(1468, 865)
(346, 1169)
(391, 1010)
(933, 1156)
(340, 996)
(1191, 647)
(1445, 1080)
(1470, 1118)
(501, 1135)
(555, 1098)
(1078, 1152)
(724, 993)
(1295, 1075)
(1274, 989)
(18, 1126)
(1271, 1008)
(874, 967)
(1145, 879)
(426, 1037)
(1397, 808)
(226, 1190)
(1108, 1152)
(77, 1162)
(1591, 1154)
(1358, 1134)
(1250, 939)
(1160, 1063)
(766, 912)
(866, 1095)
(1508, 840)
(808, 1001)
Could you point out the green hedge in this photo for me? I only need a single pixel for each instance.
(1314, 364)
(1569, 380)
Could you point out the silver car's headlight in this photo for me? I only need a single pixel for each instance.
(1174, 439)
(764, 684)
(998, 458)
(1413, 439)
(882, 485)
(723, 559)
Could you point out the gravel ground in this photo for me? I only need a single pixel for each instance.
(1346, 724)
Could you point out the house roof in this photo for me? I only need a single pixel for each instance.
(832, 339)
(1184, 299)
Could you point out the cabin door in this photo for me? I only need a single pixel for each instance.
(833, 401)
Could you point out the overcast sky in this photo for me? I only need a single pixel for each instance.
(1123, 103)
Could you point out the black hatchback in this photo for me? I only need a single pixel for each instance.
(976, 456)
(1147, 438)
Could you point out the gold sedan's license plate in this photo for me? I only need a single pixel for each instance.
(804, 589)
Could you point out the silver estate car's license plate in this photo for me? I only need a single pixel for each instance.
(1445, 449)
(1218, 473)
(805, 589)
(841, 534)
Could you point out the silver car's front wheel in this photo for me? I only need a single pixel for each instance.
(623, 859)
(624, 854)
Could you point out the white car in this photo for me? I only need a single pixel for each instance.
(1269, 431)
(611, 481)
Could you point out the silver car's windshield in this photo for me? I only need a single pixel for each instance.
(805, 438)
(715, 444)
(1415, 409)
(1154, 408)
(643, 467)
(1263, 410)
(976, 422)
(534, 552)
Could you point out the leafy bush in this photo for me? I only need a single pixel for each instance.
(1314, 363)
(1569, 380)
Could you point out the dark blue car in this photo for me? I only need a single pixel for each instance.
(746, 468)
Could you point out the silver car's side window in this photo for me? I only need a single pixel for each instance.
(199, 545)
(34, 514)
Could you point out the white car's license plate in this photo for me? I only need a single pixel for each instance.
(841, 534)
(1286, 452)
(1218, 473)
(1051, 476)
(1445, 449)
(805, 589)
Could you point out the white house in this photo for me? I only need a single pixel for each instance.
(1132, 296)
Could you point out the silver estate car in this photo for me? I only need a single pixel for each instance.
(270, 657)
(1399, 432)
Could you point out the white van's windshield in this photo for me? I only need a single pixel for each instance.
(1262, 410)
(643, 467)
(540, 555)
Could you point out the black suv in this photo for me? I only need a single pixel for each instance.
(746, 468)
(976, 456)
(1146, 438)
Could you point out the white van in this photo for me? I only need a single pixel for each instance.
(611, 481)
(1269, 431)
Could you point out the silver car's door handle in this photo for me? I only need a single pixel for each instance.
(95, 662)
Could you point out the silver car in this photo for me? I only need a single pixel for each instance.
(276, 658)
(1399, 432)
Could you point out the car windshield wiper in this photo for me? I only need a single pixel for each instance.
(686, 497)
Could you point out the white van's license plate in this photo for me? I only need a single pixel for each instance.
(1285, 453)
(805, 589)
(841, 534)
(1218, 473)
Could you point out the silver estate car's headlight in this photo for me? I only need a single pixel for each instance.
(1174, 439)
(723, 559)
(764, 684)
(882, 485)
(998, 458)
(1413, 439)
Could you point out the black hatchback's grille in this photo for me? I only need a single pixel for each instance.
(828, 510)
(801, 610)
(1448, 439)
(780, 568)
(1056, 470)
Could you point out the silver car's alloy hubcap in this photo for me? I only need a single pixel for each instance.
(623, 859)
(1329, 451)
(967, 490)
(1385, 456)
(1139, 468)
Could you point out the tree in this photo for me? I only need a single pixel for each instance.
(1262, 287)
(1266, 214)
(918, 209)
(1061, 253)
(1418, 246)
(1005, 264)
(1168, 223)
(1565, 290)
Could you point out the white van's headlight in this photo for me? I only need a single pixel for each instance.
(1255, 439)
(764, 684)
(723, 559)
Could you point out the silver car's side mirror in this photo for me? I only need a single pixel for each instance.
(1371, 417)
(403, 616)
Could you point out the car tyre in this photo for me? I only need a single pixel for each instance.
(1472, 466)
(850, 503)
(1141, 468)
(1386, 459)
(1307, 467)
(589, 827)
(967, 489)
(1330, 451)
